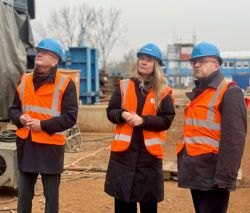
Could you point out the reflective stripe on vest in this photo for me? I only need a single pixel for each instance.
(22, 86)
(203, 123)
(203, 140)
(153, 141)
(124, 91)
(125, 138)
(53, 111)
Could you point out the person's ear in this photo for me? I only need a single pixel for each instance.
(56, 61)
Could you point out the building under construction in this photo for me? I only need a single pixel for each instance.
(177, 66)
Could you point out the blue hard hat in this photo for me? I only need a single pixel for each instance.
(152, 50)
(51, 45)
(204, 49)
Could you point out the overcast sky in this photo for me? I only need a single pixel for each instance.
(225, 23)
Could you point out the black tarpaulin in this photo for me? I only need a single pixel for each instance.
(15, 35)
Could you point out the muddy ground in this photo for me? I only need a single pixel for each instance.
(82, 191)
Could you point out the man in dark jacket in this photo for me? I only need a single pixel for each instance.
(215, 127)
(44, 107)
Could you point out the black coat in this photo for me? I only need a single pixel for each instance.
(135, 175)
(208, 171)
(45, 158)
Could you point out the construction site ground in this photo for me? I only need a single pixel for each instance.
(82, 183)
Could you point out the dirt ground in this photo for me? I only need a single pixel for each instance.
(82, 191)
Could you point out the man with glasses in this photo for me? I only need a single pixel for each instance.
(210, 151)
(44, 107)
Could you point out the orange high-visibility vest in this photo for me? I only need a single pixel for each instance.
(123, 133)
(42, 104)
(202, 124)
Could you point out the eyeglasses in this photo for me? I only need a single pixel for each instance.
(45, 52)
(201, 61)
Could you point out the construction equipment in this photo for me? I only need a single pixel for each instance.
(8, 159)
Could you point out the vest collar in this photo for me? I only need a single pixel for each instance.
(212, 81)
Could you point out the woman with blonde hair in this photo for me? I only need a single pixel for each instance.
(142, 109)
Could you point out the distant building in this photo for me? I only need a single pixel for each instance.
(235, 63)
(179, 70)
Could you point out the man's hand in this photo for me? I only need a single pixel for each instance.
(34, 124)
(24, 119)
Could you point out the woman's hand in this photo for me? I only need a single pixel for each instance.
(132, 118)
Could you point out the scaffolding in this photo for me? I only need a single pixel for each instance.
(177, 61)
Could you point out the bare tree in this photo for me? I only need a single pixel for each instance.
(124, 65)
(106, 33)
(38, 30)
(100, 28)
(62, 25)
(86, 20)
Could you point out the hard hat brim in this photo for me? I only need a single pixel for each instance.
(142, 53)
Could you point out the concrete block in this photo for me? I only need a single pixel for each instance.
(93, 118)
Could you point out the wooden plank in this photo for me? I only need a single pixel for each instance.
(170, 172)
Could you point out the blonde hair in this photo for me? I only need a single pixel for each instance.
(159, 81)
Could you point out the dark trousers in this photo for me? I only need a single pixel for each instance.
(214, 201)
(123, 207)
(26, 191)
